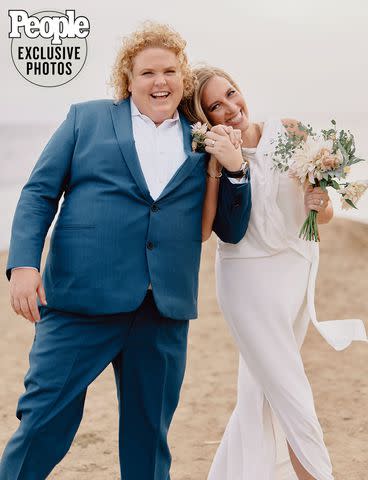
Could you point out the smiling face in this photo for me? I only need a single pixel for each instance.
(224, 104)
(156, 83)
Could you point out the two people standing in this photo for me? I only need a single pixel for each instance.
(121, 276)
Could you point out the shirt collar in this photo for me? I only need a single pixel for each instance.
(136, 113)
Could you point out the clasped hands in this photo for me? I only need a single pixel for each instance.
(224, 144)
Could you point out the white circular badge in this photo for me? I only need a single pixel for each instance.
(48, 48)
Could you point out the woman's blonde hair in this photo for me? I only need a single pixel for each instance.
(150, 35)
(192, 107)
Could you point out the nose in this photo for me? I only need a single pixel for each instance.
(160, 80)
(231, 107)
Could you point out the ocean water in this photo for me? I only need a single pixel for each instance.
(21, 145)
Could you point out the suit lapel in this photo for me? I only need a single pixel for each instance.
(191, 161)
(122, 121)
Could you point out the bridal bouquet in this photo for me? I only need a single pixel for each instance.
(323, 159)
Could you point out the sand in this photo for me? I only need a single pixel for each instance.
(339, 379)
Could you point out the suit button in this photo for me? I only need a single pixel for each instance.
(150, 245)
(154, 208)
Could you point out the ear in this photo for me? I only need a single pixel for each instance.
(129, 82)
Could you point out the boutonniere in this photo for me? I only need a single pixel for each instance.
(199, 136)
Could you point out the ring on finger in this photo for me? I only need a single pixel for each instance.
(321, 202)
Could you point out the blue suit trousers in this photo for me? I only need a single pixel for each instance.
(148, 353)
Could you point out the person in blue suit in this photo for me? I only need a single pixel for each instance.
(121, 277)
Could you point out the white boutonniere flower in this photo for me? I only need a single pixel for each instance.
(199, 131)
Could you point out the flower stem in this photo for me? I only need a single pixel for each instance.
(309, 230)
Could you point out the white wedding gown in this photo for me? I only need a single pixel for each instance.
(265, 288)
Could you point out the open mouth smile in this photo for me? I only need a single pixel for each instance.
(236, 118)
(160, 95)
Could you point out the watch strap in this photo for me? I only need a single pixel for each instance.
(238, 173)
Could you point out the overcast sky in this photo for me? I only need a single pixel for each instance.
(291, 58)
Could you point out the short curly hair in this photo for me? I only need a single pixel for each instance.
(150, 35)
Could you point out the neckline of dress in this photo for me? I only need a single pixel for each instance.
(253, 150)
(250, 149)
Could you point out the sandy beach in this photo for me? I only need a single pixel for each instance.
(339, 379)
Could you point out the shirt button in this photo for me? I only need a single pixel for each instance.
(154, 208)
(150, 245)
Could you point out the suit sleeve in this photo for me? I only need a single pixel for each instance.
(233, 209)
(40, 197)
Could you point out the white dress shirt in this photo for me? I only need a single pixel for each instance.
(160, 149)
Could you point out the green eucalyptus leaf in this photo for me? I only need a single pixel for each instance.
(343, 153)
(356, 160)
(347, 200)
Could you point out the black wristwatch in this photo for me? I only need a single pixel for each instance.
(239, 173)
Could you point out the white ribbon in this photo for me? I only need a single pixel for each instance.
(338, 333)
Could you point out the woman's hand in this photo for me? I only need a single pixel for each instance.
(234, 134)
(317, 199)
(224, 143)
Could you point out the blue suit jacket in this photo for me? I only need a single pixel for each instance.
(111, 239)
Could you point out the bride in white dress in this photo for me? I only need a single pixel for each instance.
(265, 288)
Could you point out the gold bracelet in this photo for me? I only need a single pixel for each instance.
(214, 176)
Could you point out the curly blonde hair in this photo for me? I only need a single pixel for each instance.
(192, 107)
(150, 35)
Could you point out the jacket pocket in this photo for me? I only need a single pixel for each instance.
(74, 226)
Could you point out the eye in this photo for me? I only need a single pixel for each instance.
(147, 73)
(171, 72)
(231, 93)
(214, 107)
